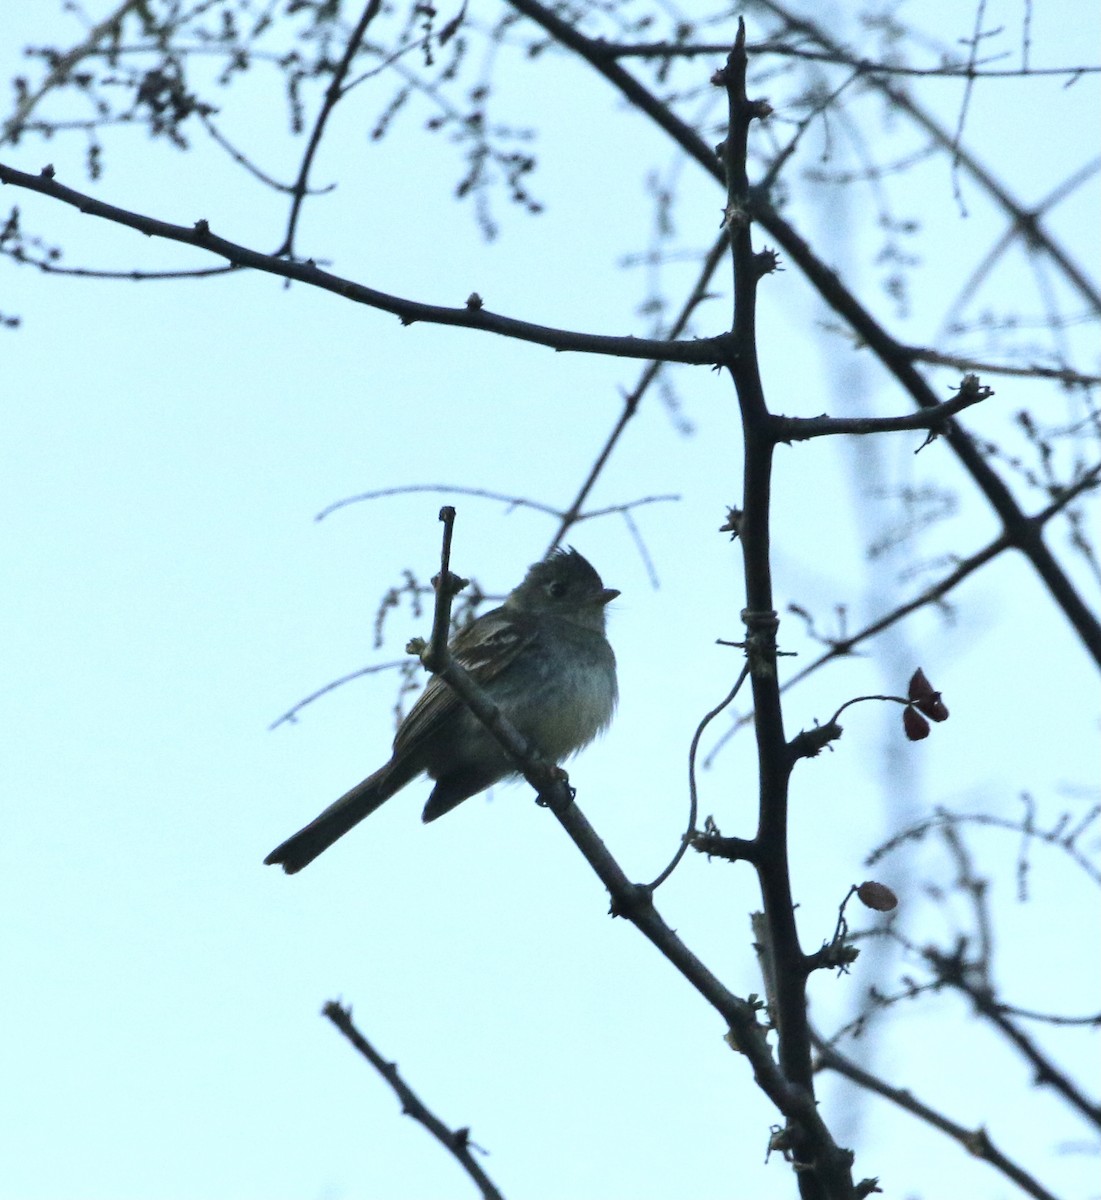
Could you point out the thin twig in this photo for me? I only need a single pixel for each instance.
(333, 94)
(961, 362)
(447, 586)
(290, 717)
(61, 68)
(693, 797)
(841, 58)
(634, 398)
(455, 1141)
(487, 494)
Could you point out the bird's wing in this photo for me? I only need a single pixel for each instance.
(484, 649)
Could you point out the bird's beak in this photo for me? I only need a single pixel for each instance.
(607, 595)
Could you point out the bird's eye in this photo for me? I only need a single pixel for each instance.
(556, 589)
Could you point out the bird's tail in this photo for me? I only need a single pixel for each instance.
(303, 847)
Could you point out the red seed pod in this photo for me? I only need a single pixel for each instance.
(915, 725)
(926, 697)
(877, 895)
(934, 707)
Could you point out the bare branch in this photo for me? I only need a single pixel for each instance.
(487, 494)
(702, 351)
(976, 1142)
(691, 837)
(634, 398)
(635, 903)
(1032, 371)
(826, 282)
(290, 717)
(1055, 836)
(795, 429)
(62, 66)
(455, 1141)
(951, 969)
(333, 94)
(842, 58)
(841, 647)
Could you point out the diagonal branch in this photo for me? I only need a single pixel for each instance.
(1022, 533)
(1032, 371)
(891, 353)
(632, 401)
(843, 58)
(951, 969)
(61, 68)
(333, 94)
(456, 1141)
(1020, 217)
(975, 1141)
(635, 903)
(701, 351)
(841, 647)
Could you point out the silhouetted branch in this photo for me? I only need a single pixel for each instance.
(634, 398)
(976, 1142)
(702, 351)
(1058, 835)
(840, 58)
(843, 646)
(1022, 533)
(797, 429)
(953, 971)
(1033, 371)
(827, 283)
(61, 68)
(635, 903)
(333, 94)
(487, 494)
(691, 837)
(290, 717)
(455, 1141)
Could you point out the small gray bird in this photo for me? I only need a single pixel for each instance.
(542, 658)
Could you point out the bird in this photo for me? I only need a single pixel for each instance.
(542, 658)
